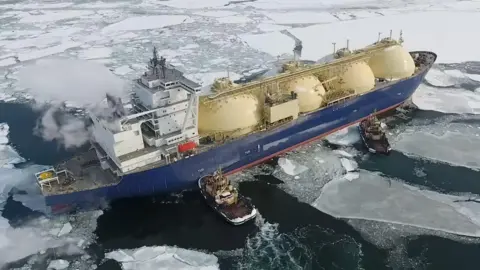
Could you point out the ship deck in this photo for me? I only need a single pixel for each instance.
(86, 174)
(422, 61)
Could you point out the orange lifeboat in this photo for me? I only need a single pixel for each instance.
(186, 146)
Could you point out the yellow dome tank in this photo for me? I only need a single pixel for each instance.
(393, 62)
(309, 91)
(357, 76)
(239, 113)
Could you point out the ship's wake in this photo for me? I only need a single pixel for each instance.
(303, 248)
(372, 200)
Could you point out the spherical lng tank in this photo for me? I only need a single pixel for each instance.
(309, 91)
(392, 63)
(355, 76)
(239, 113)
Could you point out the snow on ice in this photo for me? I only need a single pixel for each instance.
(453, 143)
(373, 197)
(291, 167)
(146, 22)
(162, 257)
(447, 100)
(424, 31)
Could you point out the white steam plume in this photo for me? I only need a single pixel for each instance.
(66, 129)
(57, 80)
(82, 82)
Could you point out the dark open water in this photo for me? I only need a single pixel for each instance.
(313, 239)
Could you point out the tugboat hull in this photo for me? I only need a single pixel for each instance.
(381, 146)
(236, 214)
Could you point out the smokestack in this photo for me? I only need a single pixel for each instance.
(297, 51)
(116, 105)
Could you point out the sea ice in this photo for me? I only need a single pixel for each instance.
(447, 100)
(95, 53)
(146, 22)
(453, 143)
(8, 156)
(349, 165)
(162, 257)
(195, 4)
(299, 17)
(343, 153)
(234, 19)
(438, 77)
(424, 31)
(122, 70)
(216, 13)
(52, 16)
(290, 167)
(274, 43)
(373, 197)
(58, 264)
(66, 229)
(346, 136)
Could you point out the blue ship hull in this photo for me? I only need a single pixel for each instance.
(250, 150)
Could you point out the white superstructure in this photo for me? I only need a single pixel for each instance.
(165, 118)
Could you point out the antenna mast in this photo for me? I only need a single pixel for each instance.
(400, 40)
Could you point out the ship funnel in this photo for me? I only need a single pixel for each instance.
(297, 51)
(116, 105)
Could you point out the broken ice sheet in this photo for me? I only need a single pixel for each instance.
(162, 257)
(291, 167)
(374, 197)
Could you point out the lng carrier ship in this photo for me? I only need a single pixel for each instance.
(177, 134)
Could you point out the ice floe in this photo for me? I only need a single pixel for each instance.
(58, 264)
(349, 165)
(53, 16)
(453, 143)
(8, 156)
(95, 53)
(438, 77)
(373, 197)
(299, 17)
(424, 31)
(146, 22)
(291, 167)
(345, 137)
(447, 100)
(274, 43)
(162, 257)
(322, 167)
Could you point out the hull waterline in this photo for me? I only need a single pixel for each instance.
(247, 151)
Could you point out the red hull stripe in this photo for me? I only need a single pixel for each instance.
(308, 141)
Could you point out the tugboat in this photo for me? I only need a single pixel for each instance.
(373, 136)
(225, 199)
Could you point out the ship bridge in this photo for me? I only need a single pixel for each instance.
(164, 119)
